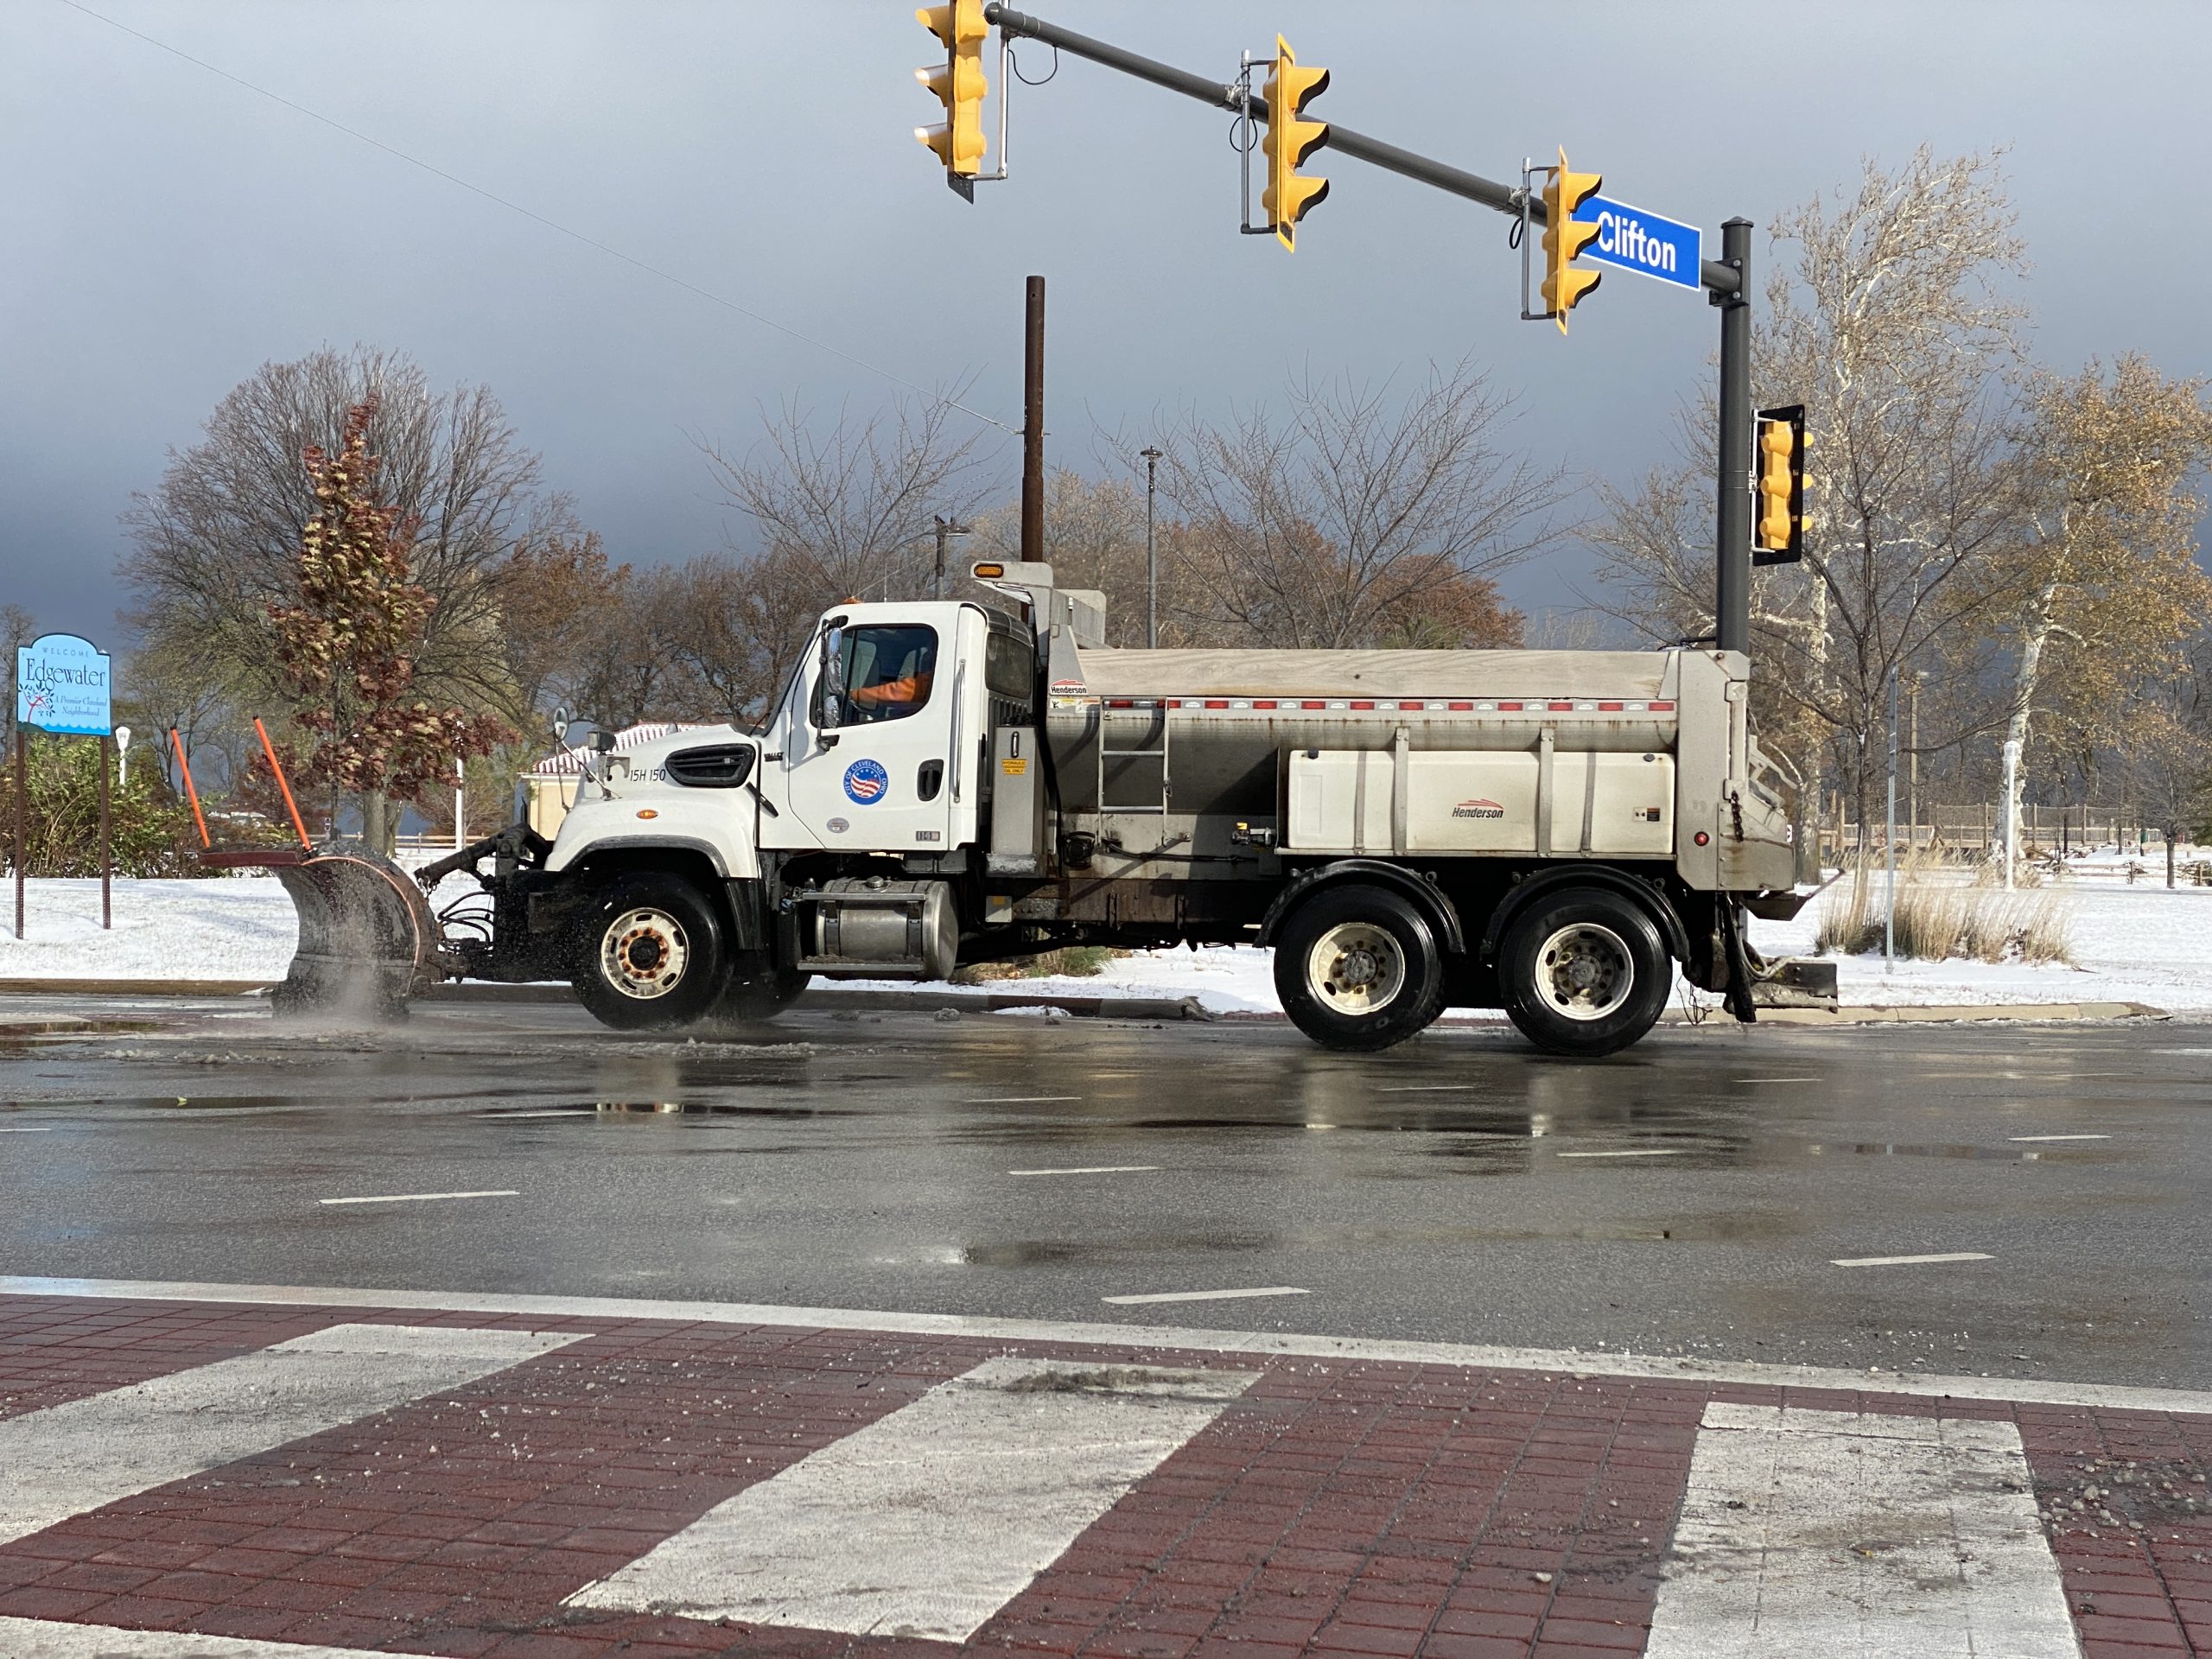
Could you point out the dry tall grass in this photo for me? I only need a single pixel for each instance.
(1939, 917)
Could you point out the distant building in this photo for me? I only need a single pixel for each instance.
(550, 787)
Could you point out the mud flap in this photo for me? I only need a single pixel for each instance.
(367, 938)
(1737, 997)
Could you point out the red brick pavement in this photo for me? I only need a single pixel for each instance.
(1339, 1509)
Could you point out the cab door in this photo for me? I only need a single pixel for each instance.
(869, 760)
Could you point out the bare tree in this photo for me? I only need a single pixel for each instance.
(1327, 527)
(847, 512)
(216, 542)
(2105, 568)
(1886, 318)
(18, 627)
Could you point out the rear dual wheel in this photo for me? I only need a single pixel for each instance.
(1358, 969)
(1584, 972)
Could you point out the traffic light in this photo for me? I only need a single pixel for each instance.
(1778, 528)
(1290, 140)
(1565, 282)
(958, 84)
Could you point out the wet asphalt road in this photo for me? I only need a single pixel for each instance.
(1690, 1197)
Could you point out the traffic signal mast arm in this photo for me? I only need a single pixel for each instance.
(1343, 141)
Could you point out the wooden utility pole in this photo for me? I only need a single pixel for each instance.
(1032, 425)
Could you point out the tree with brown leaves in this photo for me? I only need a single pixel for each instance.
(345, 649)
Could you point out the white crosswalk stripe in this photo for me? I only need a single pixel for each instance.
(927, 1522)
(42, 1638)
(1858, 1536)
(70, 1459)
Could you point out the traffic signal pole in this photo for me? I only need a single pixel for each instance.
(1725, 280)
(1732, 598)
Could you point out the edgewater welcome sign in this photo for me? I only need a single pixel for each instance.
(62, 684)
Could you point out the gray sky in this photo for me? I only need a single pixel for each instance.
(166, 231)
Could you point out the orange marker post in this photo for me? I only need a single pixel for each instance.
(270, 749)
(190, 794)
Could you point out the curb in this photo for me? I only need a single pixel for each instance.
(1956, 1012)
(1125, 1007)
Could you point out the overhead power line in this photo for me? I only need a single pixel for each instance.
(555, 224)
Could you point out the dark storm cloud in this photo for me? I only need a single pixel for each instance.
(163, 231)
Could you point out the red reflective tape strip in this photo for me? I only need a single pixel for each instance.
(1509, 708)
(1217, 703)
(1612, 708)
(1363, 705)
(1557, 706)
(1412, 708)
(1460, 707)
(1263, 702)
(1663, 707)
(1120, 702)
(1313, 702)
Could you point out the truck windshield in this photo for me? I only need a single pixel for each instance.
(887, 671)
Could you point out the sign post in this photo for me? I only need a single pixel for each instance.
(63, 685)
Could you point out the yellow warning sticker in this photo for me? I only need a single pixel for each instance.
(1014, 765)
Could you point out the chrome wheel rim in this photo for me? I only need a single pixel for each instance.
(1355, 968)
(643, 953)
(1585, 971)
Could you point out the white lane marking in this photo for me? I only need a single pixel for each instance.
(2058, 1137)
(1909, 1261)
(26, 1129)
(927, 1522)
(1024, 1100)
(1633, 1151)
(1091, 1169)
(1206, 1295)
(425, 1198)
(1428, 1088)
(73, 1458)
(43, 1638)
(1197, 1339)
(546, 1111)
(1774, 1079)
(1830, 1531)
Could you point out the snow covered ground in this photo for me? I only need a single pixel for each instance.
(2140, 944)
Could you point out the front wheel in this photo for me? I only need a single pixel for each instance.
(648, 954)
(1584, 972)
(1358, 969)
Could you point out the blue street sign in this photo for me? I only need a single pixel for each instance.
(61, 685)
(1642, 242)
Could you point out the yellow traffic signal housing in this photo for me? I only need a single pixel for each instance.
(1565, 282)
(1290, 140)
(1778, 523)
(959, 85)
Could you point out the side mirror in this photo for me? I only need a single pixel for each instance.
(561, 718)
(828, 680)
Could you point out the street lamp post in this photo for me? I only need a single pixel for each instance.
(1151, 550)
(946, 529)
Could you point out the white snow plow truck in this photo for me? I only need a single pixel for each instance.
(1547, 832)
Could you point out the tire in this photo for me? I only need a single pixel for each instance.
(762, 997)
(1584, 972)
(649, 954)
(1359, 969)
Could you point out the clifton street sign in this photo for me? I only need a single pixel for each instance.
(1635, 240)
